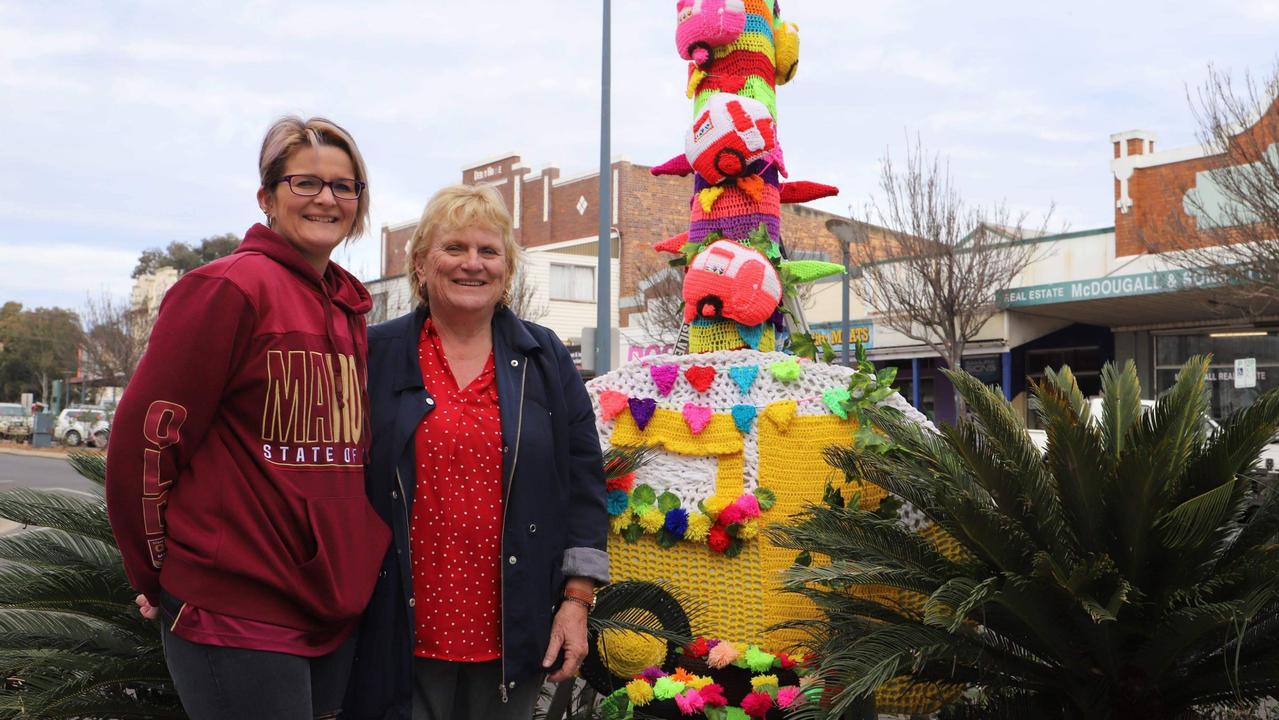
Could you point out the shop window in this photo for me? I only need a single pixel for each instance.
(1171, 351)
(572, 282)
(1085, 363)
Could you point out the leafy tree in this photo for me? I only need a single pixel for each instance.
(1130, 572)
(72, 644)
(183, 257)
(36, 347)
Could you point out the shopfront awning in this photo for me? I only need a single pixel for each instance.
(1161, 297)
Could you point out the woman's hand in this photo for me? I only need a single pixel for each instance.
(146, 609)
(568, 632)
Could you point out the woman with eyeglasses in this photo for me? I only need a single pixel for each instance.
(235, 471)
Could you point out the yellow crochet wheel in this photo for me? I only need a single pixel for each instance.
(626, 653)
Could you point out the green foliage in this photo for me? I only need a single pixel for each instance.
(36, 347)
(1131, 571)
(183, 257)
(72, 644)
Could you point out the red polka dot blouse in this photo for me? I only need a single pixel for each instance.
(456, 529)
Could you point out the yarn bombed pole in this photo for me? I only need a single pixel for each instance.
(739, 52)
(734, 429)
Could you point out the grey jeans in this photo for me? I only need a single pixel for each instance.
(222, 683)
(444, 690)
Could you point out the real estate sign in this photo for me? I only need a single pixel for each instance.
(1108, 287)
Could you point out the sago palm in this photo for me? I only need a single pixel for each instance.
(72, 644)
(1131, 571)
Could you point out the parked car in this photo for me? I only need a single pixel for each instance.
(1265, 464)
(15, 422)
(77, 425)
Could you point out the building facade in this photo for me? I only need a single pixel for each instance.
(555, 221)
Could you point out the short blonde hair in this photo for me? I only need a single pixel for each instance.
(462, 207)
(291, 132)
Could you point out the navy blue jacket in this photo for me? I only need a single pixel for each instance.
(555, 523)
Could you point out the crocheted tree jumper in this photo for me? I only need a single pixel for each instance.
(737, 425)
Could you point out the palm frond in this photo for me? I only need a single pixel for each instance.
(1128, 572)
(76, 513)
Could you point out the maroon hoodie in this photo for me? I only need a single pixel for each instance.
(235, 469)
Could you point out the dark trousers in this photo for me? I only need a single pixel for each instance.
(221, 683)
(444, 690)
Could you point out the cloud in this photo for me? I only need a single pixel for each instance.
(63, 273)
(152, 50)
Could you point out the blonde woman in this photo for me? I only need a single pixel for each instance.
(487, 466)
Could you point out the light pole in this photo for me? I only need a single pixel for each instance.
(603, 294)
(846, 233)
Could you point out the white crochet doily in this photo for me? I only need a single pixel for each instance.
(693, 479)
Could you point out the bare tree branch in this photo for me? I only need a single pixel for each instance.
(931, 263)
(661, 287)
(1225, 226)
(114, 337)
(524, 301)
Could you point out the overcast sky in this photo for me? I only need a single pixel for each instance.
(126, 125)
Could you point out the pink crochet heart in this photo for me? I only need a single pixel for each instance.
(664, 377)
(612, 402)
(697, 417)
(700, 377)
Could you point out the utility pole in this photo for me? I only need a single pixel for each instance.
(603, 293)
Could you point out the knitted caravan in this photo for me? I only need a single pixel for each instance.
(736, 428)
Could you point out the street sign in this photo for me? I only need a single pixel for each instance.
(1246, 373)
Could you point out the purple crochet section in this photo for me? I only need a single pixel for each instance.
(735, 228)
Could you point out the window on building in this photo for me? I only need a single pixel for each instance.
(1224, 397)
(378, 312)
(572, 282)
(1085, 363)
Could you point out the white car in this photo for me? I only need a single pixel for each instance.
(77, 425)
(15, 422)
(1267, 462)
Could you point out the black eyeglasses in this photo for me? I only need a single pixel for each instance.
(310, 186)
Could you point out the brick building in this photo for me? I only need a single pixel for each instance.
(1121, 297)
(556, 222)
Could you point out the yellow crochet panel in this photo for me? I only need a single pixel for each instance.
(723, 335)
(740, 595)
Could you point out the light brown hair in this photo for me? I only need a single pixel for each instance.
(291, 132)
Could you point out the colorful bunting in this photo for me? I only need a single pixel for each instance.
(642, 410)
(751, 334)
(743, 417)
(697, 417)
(781, 413)
(700, 377)
(744, 376)
(787, 370)
(664, 377)
(835, 399)
(612, 403)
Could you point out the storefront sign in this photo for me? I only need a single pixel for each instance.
(1109, 287)
(833, 333)
(986, 368)
(1246, 373)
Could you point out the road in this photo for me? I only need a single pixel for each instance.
(37, 472)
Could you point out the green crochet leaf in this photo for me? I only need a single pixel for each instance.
(805, 271)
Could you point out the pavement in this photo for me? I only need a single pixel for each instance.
(15, 449)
